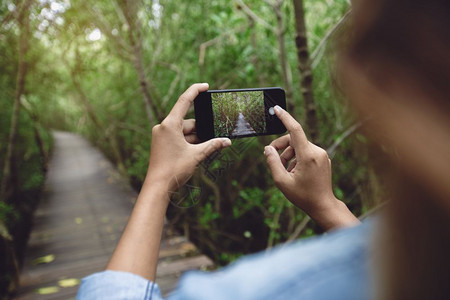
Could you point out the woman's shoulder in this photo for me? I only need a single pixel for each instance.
(332, 266)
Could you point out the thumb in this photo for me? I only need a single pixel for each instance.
(277, 169)
(211, 146)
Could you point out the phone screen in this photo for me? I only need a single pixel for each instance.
(238, 113)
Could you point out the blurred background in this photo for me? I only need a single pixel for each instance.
(110, 70)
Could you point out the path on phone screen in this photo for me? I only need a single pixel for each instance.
(83, 210)
(242, 127)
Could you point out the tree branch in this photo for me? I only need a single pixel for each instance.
(372, 211)
(276, 219)
(26, 106)
(174, 82)
(100, 21)
(134, 128)
(217, 39)
(315, 56)
(254, 16)
(216, 190)
(299, 229)
(332, 149)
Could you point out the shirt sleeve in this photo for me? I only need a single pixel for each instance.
(114, 285)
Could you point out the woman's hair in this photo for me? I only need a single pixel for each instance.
(408, 42)
(410, 36)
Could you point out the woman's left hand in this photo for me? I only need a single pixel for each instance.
(176, 151)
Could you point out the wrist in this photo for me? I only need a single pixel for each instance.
(169, 180)
(156, 180)
(334, 215)
(156, 188)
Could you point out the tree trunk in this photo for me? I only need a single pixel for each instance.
(153, 112)
(22, 21)
(37, 135)
(40, 144)
(254, 43)
(6, 240)
(305, 72)
(285, 69)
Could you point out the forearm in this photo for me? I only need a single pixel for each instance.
(138, 248)
(335, 215)
(174, 157)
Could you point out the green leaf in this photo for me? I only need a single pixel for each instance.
(44, 259)
(47, 290)
(339, 193)
(4, 232)
(69, 282)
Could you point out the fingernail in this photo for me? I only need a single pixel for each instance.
(226, 142)
(266, 150)
(278, 108)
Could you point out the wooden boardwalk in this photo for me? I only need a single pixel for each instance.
(78, 222)
(242, 127)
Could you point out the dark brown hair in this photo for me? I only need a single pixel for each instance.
(409, 41)
(412, 36)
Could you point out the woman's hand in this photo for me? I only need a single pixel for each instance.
(306, 182)
(175, 151)
(174, 157)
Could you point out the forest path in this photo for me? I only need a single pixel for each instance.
(242, 127)
(83, 210)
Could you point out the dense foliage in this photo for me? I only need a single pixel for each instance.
(252, 108)
(32, 143)
(225, 109)
(110, 70)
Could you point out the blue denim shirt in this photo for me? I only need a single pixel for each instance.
(332, 266)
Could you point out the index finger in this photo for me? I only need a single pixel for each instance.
(181, 107)
(298, 136)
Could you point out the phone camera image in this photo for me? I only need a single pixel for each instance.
(238, 113)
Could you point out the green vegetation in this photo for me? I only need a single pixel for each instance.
(110, 70)
(23, 191)
(252, 107)
(227, 106)
(226, 109)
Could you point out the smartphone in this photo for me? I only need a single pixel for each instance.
(238, 113)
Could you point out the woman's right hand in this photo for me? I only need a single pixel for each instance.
(306, 182)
